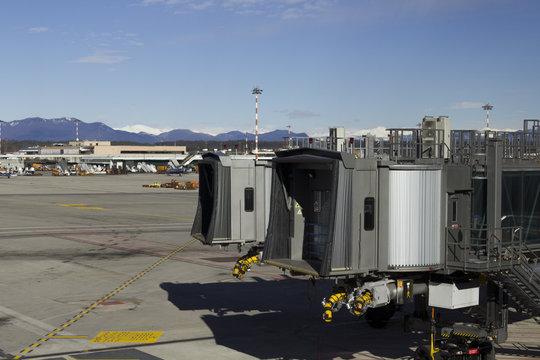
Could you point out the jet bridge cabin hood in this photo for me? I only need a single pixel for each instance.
(311, 223)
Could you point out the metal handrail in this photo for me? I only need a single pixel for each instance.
(488, 253)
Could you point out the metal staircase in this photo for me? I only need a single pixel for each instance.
(505, 259)
(521, 281)
(187, 160)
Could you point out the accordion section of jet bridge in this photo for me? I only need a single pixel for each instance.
(234, 204)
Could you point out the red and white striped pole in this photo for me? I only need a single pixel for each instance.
(256, 91)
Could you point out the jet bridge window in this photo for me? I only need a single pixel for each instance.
(318, 217)
(454, 210)
(248, 199)
(369, 214)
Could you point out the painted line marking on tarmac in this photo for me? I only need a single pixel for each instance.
(68, 336)
(25, 322)
(155, 215)
(147, 337)
(86, 207)
(30, 348)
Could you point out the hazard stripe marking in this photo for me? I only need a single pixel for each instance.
(91, 307)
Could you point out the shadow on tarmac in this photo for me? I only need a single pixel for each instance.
(283, 320)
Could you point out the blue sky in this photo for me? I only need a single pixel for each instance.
(192, 64)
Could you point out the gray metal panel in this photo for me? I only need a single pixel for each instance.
(221, 227)
(242, 222)
(342, 247)
(383, 213)
(368, 187)
(263, 182)
(267, 196)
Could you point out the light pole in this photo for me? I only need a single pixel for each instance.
(256, 91)
(1, 136)
(487, 107)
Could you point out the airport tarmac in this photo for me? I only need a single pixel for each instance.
(99, 267)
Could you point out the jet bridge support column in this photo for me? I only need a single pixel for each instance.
(494, 189)
(496, 304)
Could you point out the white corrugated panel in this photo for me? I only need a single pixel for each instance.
(50, 151)
(414, 218)
(71, 151)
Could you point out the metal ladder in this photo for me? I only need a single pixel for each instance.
(521, 281)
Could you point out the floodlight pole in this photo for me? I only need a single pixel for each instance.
(256, 91)
(1, 136)
(487, 107)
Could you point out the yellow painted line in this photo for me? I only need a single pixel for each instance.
(91, 307)
(83, 206)
(68, 336)
(146, 337)
(86, 207)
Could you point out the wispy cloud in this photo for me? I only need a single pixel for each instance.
(466, 105)
(36, 30)
(302, 114)
(242, 3)
(101, 59)
(166, 2)
(201, 6)
(284, 9)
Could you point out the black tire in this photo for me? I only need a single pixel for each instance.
(378, 317)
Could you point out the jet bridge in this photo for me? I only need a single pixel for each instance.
(233, 204)
(333, 214)
(314, 227)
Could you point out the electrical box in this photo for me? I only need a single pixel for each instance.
(452, 295)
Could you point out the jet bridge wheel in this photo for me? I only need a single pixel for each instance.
(456, 351)
(378, 317)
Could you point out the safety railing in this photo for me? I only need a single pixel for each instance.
(410, 144)
(483, 249)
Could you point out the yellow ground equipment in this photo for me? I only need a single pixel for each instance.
(244, 264)
(333, 304)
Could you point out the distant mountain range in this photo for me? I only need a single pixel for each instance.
(63, 129)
